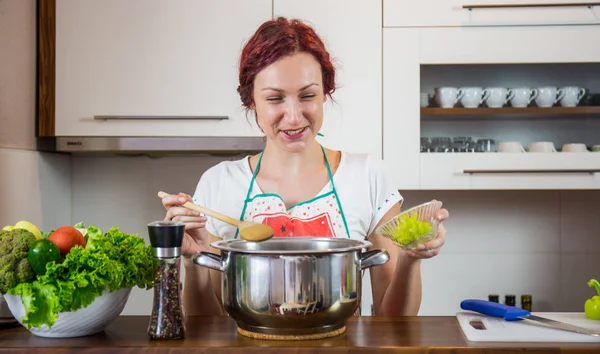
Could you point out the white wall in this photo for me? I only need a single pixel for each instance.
(35, 187)
(545, 243)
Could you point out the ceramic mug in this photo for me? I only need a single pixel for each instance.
(498, 96)
(548, 96)
(542, 146)
(424, 99)
(522, 96)
(473, 96)
(510, 146)
(574, 148)
(572, 96)
(446, 97)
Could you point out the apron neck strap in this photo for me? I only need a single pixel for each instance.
(258, 166)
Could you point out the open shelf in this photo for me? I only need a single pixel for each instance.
(510, 112)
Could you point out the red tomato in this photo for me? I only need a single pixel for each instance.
(66, 237)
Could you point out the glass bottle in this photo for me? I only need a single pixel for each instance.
(510, 300)
(167, 318)
(526, 302)
(493, 298)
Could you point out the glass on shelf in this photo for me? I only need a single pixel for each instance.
(440, 144)
(486, 145)
(461, 143)
(426, 144)
(446, 144)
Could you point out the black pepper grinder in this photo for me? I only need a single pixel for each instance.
(167, 320)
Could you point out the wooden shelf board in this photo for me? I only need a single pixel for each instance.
(428, 113)
(511, 110)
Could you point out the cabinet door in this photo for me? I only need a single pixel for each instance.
(435, 13)
(401, 83)
(174, 61)
(507, 45)
(351, 31)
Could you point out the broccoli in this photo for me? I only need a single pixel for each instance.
(14, 265)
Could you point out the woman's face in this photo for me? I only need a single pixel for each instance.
(288, 100)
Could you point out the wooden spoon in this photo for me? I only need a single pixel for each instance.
(249, 231)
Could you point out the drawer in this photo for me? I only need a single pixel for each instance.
(442, 171)
(499, 171)
(433, 13)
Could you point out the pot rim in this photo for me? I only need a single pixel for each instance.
(352, 245)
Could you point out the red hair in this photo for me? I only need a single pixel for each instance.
(275, 39)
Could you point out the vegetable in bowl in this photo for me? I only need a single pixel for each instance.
(14, 265)
(108, 263)
(412, 227)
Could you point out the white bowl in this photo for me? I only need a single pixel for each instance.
(83, 322)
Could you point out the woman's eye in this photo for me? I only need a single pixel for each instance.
(274, 99)
(310, 95)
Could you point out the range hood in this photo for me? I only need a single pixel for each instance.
(151, 144)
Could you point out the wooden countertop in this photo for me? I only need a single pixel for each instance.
(219, 335)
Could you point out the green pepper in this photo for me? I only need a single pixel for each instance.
(592, 305)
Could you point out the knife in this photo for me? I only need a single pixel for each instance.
(511, 313)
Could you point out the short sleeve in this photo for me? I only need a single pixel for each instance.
(383, 192)
(206, 194)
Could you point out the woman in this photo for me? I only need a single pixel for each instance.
(295, 185)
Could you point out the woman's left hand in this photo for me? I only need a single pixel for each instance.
(432, 248)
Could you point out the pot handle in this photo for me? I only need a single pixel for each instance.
(373, 258)
(209, 260)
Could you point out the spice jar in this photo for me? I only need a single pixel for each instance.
(526, 302)
(510, 300)
(167, 320)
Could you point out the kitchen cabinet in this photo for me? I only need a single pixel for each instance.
(457, 13)
(152, 67)
(417, 60)
(351, 31)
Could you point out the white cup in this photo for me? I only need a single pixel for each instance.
(510, 146)
(572, 96)
(424, 99)
(498, 96)
(446, 97)
(522, 96)
(473, 96)
(542, 146)
(548, 96)
(574, 148)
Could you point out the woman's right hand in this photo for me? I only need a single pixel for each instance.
(196, 237)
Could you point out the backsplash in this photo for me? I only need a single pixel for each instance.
(543, 243)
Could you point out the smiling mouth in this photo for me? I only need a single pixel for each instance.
(294, 132)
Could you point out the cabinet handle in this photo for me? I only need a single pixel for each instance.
(495, 6)
(161, 117)
(590, 171)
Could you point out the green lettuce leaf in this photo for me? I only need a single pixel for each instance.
(40, 302)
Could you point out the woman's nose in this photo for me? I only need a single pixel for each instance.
(294, 111)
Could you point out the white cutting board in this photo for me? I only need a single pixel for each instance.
(498, 330)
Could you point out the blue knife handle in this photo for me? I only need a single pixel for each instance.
(509, 313)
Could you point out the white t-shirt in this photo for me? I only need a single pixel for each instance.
(365, 193)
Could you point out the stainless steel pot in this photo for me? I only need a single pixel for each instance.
(291, 286)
